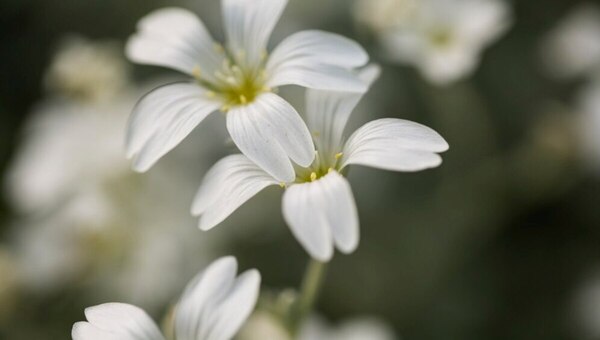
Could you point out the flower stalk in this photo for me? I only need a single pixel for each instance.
(309, 292)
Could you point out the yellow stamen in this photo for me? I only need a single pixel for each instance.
(329, 170)
(313, 176)
(225, 108)
(282, 184)
(339, 155)
(243, 99)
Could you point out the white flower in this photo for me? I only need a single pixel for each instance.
(318, 204)
(239, 78)
(384, 14)
(214, 306)
(87, 70)
(444, 38)
(573, 47)
(82, 217)
(67, 146)
(353, 329)
(263, 325)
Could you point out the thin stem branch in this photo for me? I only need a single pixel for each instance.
(309, 291)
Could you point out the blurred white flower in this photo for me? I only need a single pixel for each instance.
(353, 329)
(382, 15)
(83, 216)
(443, 39)
(68, 146)
(214, 306)
(262, 325)
(239, 79)
(318, 204)
(87, 70)
(589, 124)
(573, 47)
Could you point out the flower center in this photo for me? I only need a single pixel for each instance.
(441, 37)
(318, 169)
(236, 82)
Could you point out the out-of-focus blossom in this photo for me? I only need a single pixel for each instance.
(319, 205)
(443, 39)
(383, 15)
(214, 306)
(239, 79)
(352, 329)
(589, 124)
(67, 147)
(264, 326)
(86, 70)
(83, 216)
(573, 47)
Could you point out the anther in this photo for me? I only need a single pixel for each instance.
(243, 99)
(339, 155)
(313, 176)
(225, 108)
(282, 184)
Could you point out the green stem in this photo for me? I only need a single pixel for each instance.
(309, 291)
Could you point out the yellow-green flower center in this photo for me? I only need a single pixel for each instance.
(319, 168)
(441, 37)
(234, 83)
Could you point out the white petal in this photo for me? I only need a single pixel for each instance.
(317, 60)
(327, 113)
(572, 48)
(394, 144)
(116, 321)
(322, 213)
(483, 21)
(162, 119)
(215, 304)
(269, 132)
(174, 38)
(443, 66)
(227, 185)
(86, 331)
(248, 26)
(196, 306)
(237, 307)
(341, 211)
